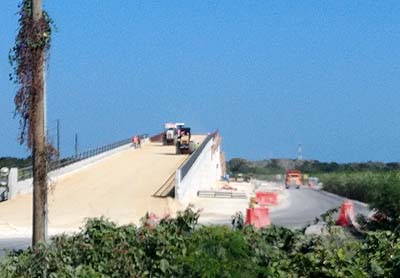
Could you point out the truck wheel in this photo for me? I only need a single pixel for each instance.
(178, 150)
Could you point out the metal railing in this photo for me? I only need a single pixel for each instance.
(26, 173)
(189, 163)
(221, 194)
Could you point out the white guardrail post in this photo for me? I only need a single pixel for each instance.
(177, 182)
(12, 182)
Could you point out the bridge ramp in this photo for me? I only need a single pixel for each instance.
(119, 187)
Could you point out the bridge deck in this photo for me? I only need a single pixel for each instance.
(119, 187)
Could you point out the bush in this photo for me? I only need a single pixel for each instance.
(217, 252)
(176, 248)
(380, 190)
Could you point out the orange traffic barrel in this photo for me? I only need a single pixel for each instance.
(346, 215)
(266, 198)
(258, 217)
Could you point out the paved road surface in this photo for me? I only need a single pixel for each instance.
(304, 205)
(16, 243)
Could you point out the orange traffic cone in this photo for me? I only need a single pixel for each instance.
(258, 217)
(346, 215)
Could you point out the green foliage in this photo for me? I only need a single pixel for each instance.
(15, 162)
(176, 248)
(238, 165)
(386, 196)
(380, 190)
(217, 252)
(357, 186)
(266, 169)
(312, 166)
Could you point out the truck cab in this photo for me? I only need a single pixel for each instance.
(293, 178)
(171, 132)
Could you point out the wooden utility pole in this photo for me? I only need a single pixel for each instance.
(39, 139)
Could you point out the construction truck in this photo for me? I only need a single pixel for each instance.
(170, 133)
(183, 143)
(293, 178)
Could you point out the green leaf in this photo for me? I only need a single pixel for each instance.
(164, 265)
(341, 254)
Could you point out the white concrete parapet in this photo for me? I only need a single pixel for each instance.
(202, 175)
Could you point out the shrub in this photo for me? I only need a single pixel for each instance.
(176, 248)
(380, 190)
(217, 252)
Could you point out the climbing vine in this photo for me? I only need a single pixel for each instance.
(32, 45)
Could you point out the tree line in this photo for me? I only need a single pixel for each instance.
(14, 162)
(279, 166)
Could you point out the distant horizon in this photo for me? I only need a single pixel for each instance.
(320, 161)
(227, 155)
(263, 159)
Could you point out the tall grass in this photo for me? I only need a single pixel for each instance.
(381, 190)
(362, 186)
(352, 185)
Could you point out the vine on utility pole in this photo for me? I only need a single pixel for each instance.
(28, 58)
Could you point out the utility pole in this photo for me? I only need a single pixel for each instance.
(39, 139)
(58, 140)
(76, 144)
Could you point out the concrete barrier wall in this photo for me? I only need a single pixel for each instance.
(203, 174)
(25, 186)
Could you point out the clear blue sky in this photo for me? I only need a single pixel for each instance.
(267, 74)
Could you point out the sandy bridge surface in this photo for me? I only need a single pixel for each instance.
(118, 187)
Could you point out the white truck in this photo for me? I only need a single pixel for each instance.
(171, 132)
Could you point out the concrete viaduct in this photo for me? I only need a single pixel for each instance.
(122, 184)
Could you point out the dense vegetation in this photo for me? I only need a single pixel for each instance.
(279, 166)
(11, 162)
(175, 248)
(380, 190)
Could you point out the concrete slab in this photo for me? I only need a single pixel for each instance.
(118, 187)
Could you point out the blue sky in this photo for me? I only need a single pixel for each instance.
(268, 74)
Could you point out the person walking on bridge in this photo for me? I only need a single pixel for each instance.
(135, 141)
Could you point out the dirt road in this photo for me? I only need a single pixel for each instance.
(118, 187)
